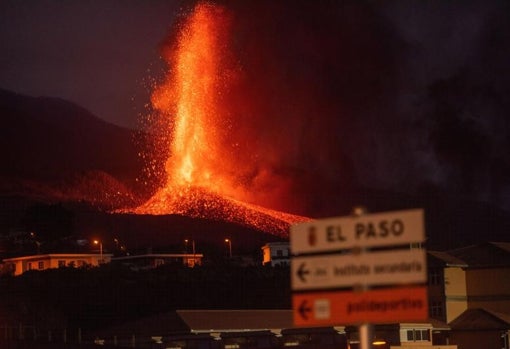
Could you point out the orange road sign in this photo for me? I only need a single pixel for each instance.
(387, 305)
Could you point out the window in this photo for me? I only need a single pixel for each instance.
(435, 277)
(61, 263)
(232, 346)
(40, 265)
(418, 335)
(410, 335)
(29, 266)
(279, 253)
(436, 309)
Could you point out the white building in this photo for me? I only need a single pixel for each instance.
(19, 265)
(154, 260)
(276, 253)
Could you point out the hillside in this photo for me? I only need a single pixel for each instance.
(55, 154)
(54, 149)
(49, 138)
(64, 169)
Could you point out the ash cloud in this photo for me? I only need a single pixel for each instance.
(311, 76)
(332, 96)
(453, 89)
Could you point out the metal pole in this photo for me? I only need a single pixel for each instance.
(365, 330)
(193, 246)
(100, 243)
(229, 242)
(366, 334)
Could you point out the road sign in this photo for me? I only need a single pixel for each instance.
(350, 308)
(338, 253)
(379, 229)
(367, 269)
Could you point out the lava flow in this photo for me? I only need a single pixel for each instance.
(203, 175)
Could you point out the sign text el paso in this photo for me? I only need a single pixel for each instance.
(380, 229)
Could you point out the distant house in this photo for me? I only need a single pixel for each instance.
(276, 253)
(223, 329)
(263, 328)
(19, 265)
(153, 260)
(430, 334)
(469, 289)
(480, 328)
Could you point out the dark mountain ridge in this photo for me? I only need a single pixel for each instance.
(64, 171)
(49, 139)
(54, 152)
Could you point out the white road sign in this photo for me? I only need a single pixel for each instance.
(375, 268)
(379, 229)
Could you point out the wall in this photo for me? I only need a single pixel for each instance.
(455, 292)
(489, 289)
(476, 339)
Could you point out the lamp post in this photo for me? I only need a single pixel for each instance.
(192, 247)
(229, 242)
(97, 242)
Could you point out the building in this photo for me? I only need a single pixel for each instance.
(224, 329)
(469, 289)
(480, 328)
(153, 260)
(19, 265)
(276, 253)
(431, 334)
(469, 302)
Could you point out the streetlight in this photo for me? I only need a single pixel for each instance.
(193, 248)
(229, 242)
(192, 245)
(97, 242)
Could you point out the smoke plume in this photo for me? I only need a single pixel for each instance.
(323, 97)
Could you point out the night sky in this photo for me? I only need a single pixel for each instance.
(409, 95)
(99, 54)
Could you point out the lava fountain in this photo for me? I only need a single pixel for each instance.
(203, 170)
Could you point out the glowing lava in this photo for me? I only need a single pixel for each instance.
(202, 175)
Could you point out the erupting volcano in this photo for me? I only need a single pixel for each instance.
(207, 171)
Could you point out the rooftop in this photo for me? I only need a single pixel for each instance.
(481, 319)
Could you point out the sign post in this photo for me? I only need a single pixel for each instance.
(359, 270)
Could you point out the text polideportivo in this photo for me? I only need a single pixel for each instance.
(383, 306)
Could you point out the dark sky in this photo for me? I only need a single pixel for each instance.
(98, 54)
(412, 93)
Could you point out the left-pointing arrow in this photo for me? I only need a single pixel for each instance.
(304, 309)
(302, 272)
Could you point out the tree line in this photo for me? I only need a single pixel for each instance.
(95, 297)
